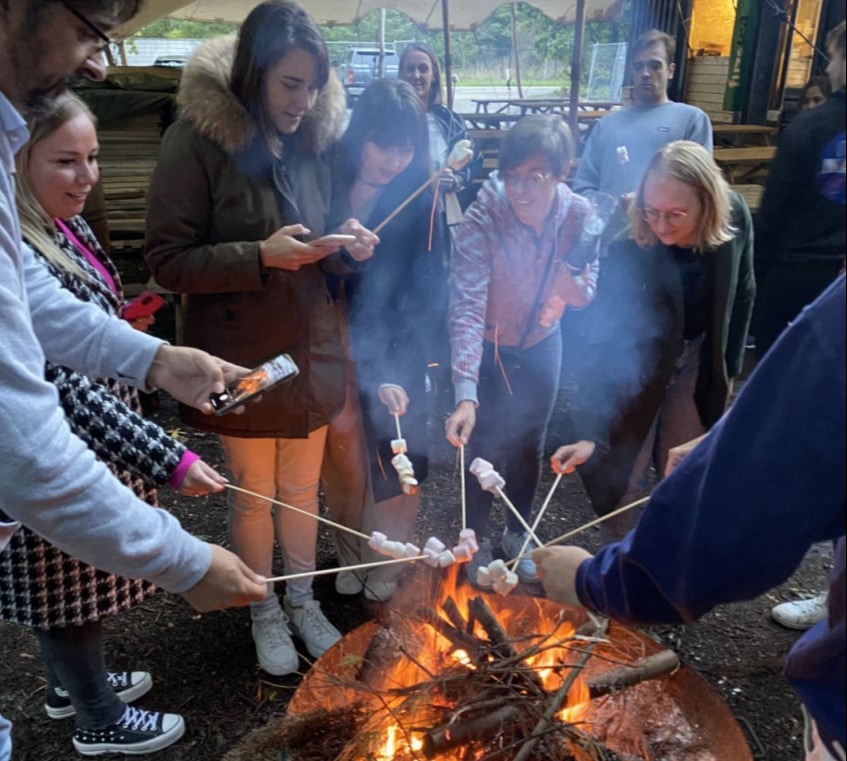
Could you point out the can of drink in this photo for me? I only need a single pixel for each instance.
(263, 378)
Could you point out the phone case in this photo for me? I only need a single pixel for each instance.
(143, 306)
(264, 377)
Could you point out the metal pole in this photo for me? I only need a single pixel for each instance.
(576, 66)
(515, 47)
(448, 56)
(381, 67)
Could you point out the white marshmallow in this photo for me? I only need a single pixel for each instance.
(401, 462)
(467, 537)
(505, 584)
(410, 550)
(409, 485)
(446, 558)
(491, 481)
(431, 557)
(497, 568)
(623, 154)
(376, 541)
(483, 577)
(435, 544)
(398, 446)
(479, 466)
(393, 549)
(460, 155)
(462, 553)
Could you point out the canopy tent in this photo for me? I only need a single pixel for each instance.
(433, 14)
(428, 13)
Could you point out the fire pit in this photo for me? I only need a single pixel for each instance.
(473, 677)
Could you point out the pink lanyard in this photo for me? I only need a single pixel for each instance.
(86, 252)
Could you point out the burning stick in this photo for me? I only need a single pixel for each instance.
(319, 518)
(359, 567)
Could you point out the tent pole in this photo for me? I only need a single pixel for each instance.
(448, 56)
(576, 66)
(515, 46)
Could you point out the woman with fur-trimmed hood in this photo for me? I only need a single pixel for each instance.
(242, 182)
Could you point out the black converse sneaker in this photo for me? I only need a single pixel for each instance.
(128, 686)
(138, 732)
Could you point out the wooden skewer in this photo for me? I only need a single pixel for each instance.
(397, 421)
(360, 567)
(518, 515)
(462, 479)
(538, 518)
(319, 518)
(405, 203)
(593, 523)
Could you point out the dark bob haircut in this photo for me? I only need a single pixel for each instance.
(538, 135)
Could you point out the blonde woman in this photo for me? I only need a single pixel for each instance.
(668, 329)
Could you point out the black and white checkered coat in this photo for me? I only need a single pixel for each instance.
(40, 586)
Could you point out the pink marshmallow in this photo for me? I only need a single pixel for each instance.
(435, 544)
(377, 540)
(462, 553)
(479, 466)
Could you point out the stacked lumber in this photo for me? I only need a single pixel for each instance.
(129, 150)
(705, 86)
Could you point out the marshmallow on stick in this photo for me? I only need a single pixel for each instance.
(460, 155)
(406, 473)
(489, 479)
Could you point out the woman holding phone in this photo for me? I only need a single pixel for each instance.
(62, 599)
(241, 186)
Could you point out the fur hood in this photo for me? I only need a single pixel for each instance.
(206, 100)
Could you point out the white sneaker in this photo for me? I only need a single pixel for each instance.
(801, 614)
(312, 626)
(348, 583)
(274, 649)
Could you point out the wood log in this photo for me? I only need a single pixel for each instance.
(658, 664)
(458, 637)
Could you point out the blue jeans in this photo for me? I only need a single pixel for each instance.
(512, 424)
(73, 659)
(5, 739)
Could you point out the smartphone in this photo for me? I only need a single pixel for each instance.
(336, 240)
(142, 306)
(264, 377)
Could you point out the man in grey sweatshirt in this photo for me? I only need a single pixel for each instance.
(49, 479)
(622, 143)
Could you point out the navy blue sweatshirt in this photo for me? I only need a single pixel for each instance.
(741, 510)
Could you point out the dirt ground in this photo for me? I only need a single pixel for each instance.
(204, 666)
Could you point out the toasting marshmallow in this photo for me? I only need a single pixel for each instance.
(460, 155)
(431, 557)
(398, 446)
(483, 577)
(489, 479)
(435, 544)
(410, 550)
(467, 536)
(479, 466)
(377, 540)
(462, 553)
(623, 155)
(505, 584)
(446, 558)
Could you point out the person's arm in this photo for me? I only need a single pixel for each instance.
(470, 277)
(786, 182)
(700, 131)
(745, 294)
(179, 214)
(736, 517)
(587, 178)
(457, 131)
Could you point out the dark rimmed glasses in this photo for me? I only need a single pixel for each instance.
(96, 31)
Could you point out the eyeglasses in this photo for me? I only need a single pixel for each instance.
(532, 181)
(91, 26)
(673, 218)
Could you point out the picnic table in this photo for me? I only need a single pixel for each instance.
(743, 164)
(536, 105)
(737, 135)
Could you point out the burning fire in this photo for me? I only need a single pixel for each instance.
(529, 626)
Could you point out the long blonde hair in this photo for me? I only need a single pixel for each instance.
(692, 164)
(36, 225)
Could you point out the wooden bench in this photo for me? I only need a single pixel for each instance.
(737, 135)
(743, 164)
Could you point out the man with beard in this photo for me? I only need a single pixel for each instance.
(49, 480)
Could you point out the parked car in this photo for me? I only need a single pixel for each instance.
(171, 61)
(361, 67)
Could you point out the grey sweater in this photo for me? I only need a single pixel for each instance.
(49, 479)
(642, 130)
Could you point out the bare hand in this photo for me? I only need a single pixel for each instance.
(568, 457)
(394, 397)
(366, 241)
(191, 375)
(283, 251)
(447, 180)
(557, 568)
(201, 479)
(228, 583)
(677, 454)
(459, 426)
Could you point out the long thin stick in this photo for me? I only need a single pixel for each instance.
(517, 515)
(538, 517)
(462, 479)
(405, 203)
(397, 421)
(319, 518)
(360, 567)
